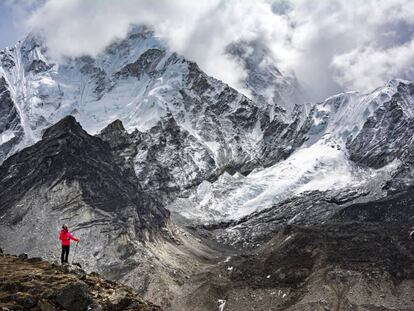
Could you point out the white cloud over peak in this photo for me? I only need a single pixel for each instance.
(330, 45)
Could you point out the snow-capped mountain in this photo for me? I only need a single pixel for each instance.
(184, 129)
(141, 82)
(167, 158)
(137, 80)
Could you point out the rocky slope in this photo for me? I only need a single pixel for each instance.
(72, 177)
(67, 158)
(359, 258)
(126, 235)
(34, 284)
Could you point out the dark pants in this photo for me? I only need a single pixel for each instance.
(65, 253)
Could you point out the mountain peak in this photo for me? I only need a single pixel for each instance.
(267, 84)
(65, 126)
(116, 125)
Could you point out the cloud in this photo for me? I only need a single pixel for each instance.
(13, 13)
(330, 45)
(367, 68)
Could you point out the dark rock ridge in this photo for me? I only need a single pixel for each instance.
(167, 159)
(68, 155)
(313, 208)
(397, 208)
(38, 285)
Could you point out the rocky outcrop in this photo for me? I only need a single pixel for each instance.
(74, 296)
(39, 285)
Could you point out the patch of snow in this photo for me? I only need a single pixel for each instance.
(6, 136)
(221, 304)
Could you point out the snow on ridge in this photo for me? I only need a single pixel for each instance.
(317, 167)
(322, 163)
(6, 136)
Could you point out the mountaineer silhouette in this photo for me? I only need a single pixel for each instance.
(65, 238)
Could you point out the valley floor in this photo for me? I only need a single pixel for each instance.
(336, 266)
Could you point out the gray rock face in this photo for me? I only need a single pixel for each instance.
(145, 64)
(388, 136)
(74, 178)
(75, 296)
(67, 154)
(282, 138)
(167, 159)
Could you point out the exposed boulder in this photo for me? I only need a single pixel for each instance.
(74, 296)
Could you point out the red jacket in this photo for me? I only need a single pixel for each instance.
(65, 237)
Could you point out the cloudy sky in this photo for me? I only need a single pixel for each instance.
(331, 46)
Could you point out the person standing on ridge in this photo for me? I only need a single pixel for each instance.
(65, 238)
